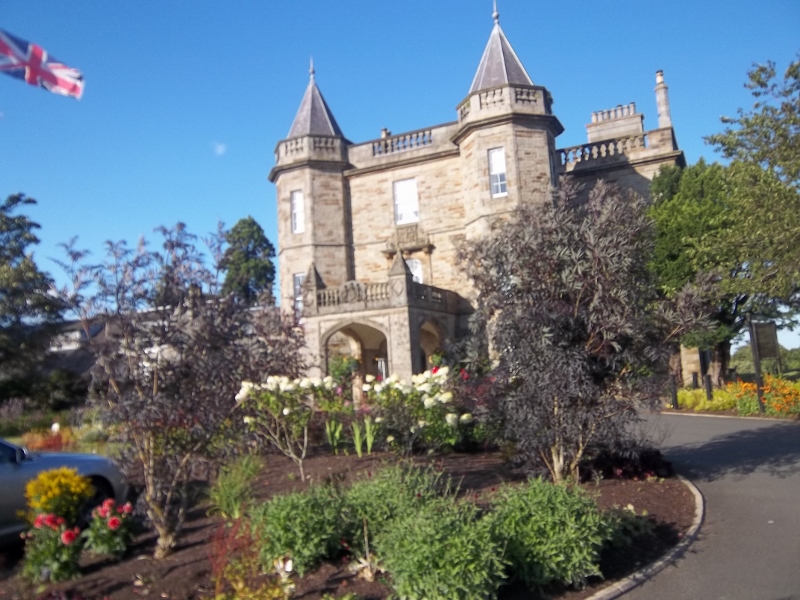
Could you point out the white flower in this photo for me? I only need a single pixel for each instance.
(443, 372)
(378, 388)
(390, 438)
(379, 419)
(327, 379)
(248, 420)
(369, 378)
(393, 378)
(451, 419)
(244, 392)
(630, 508)
(55, 428)
(428, 401)
(421, 424)
(465, 418)
(289, 387)
(286, 411)
(446, 397)
(366, 387)
(425, 387)
(288, 566)
(304, 383)
(316, 381)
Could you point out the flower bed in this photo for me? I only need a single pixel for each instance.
(781, 398)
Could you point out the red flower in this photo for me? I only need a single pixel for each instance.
(127, 508)
(435, 370)
(108, 504)
(114, 523)
(464, 375)
(51, 521)
(68, 537)
(40, 520)
(102, 511)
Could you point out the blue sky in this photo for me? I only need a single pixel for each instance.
(185, 100)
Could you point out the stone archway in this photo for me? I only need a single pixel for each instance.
(361, 341)
(431, 338)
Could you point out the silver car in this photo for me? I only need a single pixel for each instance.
(18, 466)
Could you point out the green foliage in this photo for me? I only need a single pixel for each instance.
(230, 494)
(59, 491)
(442, 551)
(696, 400)
(27, 311)
(248, 261)
(304, 526)
(625, 526)
(110, 530)
(552, 534)
(52, 550)
(769, 134)
(393, 492)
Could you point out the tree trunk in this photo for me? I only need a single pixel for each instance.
(720, 362)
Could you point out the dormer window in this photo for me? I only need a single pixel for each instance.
(406, 202)
(298, 211)
(497, 172)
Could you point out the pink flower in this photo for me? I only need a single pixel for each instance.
(114, 523)
(102, 512)
(127, 508)
(68, 537)
(108, 504)
(40, 520)
(51, 521)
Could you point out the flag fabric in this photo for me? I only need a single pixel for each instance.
(31, 63)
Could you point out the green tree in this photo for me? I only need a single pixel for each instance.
(704, 234)
(769, 134)
(247, 261)
(27, 309)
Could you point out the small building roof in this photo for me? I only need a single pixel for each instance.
(314, 117)
(499, 64)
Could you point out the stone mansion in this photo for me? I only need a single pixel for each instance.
(368, 232)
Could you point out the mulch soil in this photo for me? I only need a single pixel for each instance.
(186, 574)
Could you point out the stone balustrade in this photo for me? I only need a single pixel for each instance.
(484, 104)
(399, 143)
(607, 149)
(618, 112)
(357, 295)
(310, 147)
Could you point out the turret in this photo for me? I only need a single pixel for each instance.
(312, 198)
(506, 136)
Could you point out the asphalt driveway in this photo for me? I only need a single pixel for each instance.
(749, 473)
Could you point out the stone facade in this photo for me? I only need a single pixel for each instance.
(349, 213)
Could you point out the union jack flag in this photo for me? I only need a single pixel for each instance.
(30, 62)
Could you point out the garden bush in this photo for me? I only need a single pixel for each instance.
(391, 493)
(305, 526)
(442, 551)
(552, 533)
(58, 491)
(781, 398)
(697, 401)
(110, 530)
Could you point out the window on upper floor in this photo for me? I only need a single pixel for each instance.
(298, 211)
(497, 172)
(406, 202)
(297, 282)
(415, 266)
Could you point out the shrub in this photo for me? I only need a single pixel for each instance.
(52, 550)
(59, 491)
(443, 551)
(233, 488)
(305, 526)
(392, 493)
(781, 397)
(697, 401)
(111, 530)
(553, 534)
(49, 440)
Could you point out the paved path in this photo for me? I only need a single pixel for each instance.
(749, 545)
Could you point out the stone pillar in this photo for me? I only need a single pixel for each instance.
(662, 102)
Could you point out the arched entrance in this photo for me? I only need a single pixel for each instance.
(431, 337)
(362, 342)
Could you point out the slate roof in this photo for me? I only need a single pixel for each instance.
(314, 117)
(499, 64)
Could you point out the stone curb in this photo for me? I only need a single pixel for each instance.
(713, 416)
(621, 587)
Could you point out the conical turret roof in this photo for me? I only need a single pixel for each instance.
(499, 64)
(314, 117)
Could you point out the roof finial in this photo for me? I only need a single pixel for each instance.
(495, 14)
(311, 68)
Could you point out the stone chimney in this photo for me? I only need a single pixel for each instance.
(662, 102)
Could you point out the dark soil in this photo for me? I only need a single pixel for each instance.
(186, 573)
